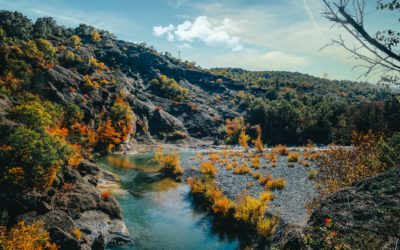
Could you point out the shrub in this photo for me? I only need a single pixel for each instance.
(208, 169)
(35, 113)
(122, 118)
(76, 40)
(241, 169)
(170, 164)
(267, 226)
(78, 233)
(311, 174)
(339, 167)
(108, 135)
(280, 150)
(278, 183)
(105, 195)
(243, 139)
(258, 144)
(196, 186)
(69, 56)
(249, 209)
(267, 196)
(46, 47)
(95, 36)
(255, 161)
(233, 128)
(293, 157)
(37, 153)
(222, 205)
(23, 236)
(170, 88)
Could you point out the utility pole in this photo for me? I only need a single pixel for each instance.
(179, 55)
(325, 76)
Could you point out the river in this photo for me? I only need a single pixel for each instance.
(159, 212)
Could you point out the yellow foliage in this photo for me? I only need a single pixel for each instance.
(280, 150)
(96, 36)
(267, 226)
(267, 196)
(358, 162)
(170, 163)
(272, 157)
(196, 186)
(243, 139)
(293, 157)
(249, 209)
(76, 40)
(213, 156)
(258, 144)
(241, 169)
(208, 169)
(77, 233)
(26, 237)
(255, 161)
(221, 205)
(278, 183)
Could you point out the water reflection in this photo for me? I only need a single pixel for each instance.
(160, 213)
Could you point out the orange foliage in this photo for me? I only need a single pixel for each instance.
(26, 237)
(105, 195)
(108, 135)
(280, 150)
(208, 169)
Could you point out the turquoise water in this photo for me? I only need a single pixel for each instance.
(159, 212)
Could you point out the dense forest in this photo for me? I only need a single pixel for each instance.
(293, 108)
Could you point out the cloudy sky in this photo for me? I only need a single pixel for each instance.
(251, 34)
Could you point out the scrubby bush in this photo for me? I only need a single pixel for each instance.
(23, 236)
(278, 183)
(258, 144)
(35, 113)
(233, 129)
(32, 158)
(243, 139)
(208, 169)
(340, 167)
(170, 163)
(170, 88)
(293, 157)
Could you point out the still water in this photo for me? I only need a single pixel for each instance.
(159, 212)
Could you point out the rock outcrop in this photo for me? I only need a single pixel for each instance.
(365, 215)
(73, 203)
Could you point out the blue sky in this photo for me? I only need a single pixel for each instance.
(251, 34)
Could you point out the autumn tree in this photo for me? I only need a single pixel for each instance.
(243, 139)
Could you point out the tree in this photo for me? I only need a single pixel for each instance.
(379, 51)
(34, 155)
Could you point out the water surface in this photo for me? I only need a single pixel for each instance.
(159, 212)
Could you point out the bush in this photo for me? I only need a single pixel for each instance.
(278, 183)
(170, 88)
(208, 169)
(32, 156)
(23, 236)
(233, 128)
(280, 150)
(35, 113)
(258, 144)
(170, 163)
(249, 209)
(340, 167)
(293, 157)
(243, 139)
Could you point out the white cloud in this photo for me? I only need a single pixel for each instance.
(201, 29)
(185, 46)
